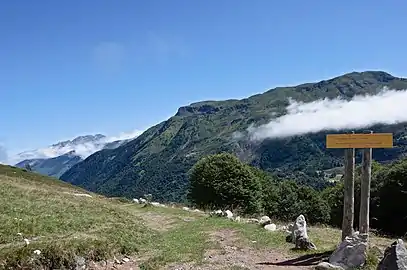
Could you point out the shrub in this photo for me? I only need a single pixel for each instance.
(223, 181)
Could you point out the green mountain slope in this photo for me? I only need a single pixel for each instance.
(157, 161)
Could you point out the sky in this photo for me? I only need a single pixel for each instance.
(70, 68)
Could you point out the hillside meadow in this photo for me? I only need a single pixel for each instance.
(65, 228)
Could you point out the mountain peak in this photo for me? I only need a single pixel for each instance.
(80, 140)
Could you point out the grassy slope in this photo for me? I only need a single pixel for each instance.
(61, 224)
(157, 161)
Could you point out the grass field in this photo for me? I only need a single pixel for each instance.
(63, 225)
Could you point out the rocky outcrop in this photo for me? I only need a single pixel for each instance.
(351, 252)
(299, 235)
(395, 257)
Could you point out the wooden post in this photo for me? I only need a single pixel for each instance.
(349, 195)
(365, 190)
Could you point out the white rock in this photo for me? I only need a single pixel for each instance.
(37, 252)
(185, 208)
(197, 211)
(142, 200)
(155, 203)
(229, 214)
(27, 242)
(252, 220)
(237, 219)
(136, 201)
(82, 195)
(271, 227)
(217, 213)
(264, 220)
(125, 259)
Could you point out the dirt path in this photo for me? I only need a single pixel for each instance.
(232, 255)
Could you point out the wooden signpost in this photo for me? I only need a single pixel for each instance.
(350, 142)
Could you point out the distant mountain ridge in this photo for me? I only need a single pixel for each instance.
(158, 160)
(60, 157)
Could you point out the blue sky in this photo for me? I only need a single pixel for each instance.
(75, 67)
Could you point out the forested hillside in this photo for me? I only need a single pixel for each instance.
(157, 161)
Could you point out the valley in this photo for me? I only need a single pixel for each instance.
(158, 160)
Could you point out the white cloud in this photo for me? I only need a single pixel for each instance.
(124, 136)
(387, 107)
(83, 149)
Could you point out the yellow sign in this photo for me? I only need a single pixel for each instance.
(374, 140)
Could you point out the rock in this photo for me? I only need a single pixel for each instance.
(125, 259)
(326, 265)
(351, 253)
(252, 220)
(80, 263)
(216, 213)
(264, 220)
(185, 208)
(229, 214)
(197, 211)
(136, 201)
(299, 234)
(142, 200)
(155, 203)
(271, 227)
(395, 257)
(82, 195)
(237, 219)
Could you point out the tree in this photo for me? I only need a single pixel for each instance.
(223, 181)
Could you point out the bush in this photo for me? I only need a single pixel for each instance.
(223, 181)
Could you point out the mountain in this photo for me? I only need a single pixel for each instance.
(51, 166)
(60, 157)
(158, 160)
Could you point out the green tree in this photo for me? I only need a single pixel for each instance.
(223, 181)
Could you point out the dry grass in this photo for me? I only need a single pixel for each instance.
(61, 225)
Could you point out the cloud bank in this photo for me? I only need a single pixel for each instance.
(82, 149)
(387, 107)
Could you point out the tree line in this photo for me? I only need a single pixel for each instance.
(223, 181)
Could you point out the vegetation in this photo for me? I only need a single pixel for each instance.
(222, 180)
(63, 226)
(157, 162)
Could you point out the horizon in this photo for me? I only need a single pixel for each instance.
(84, 69)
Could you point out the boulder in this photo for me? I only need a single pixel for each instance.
(299, 235)
(351, 253)
(271, 227)
(136, 201)
(395, 257)
(229, 214)
(264, 220)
